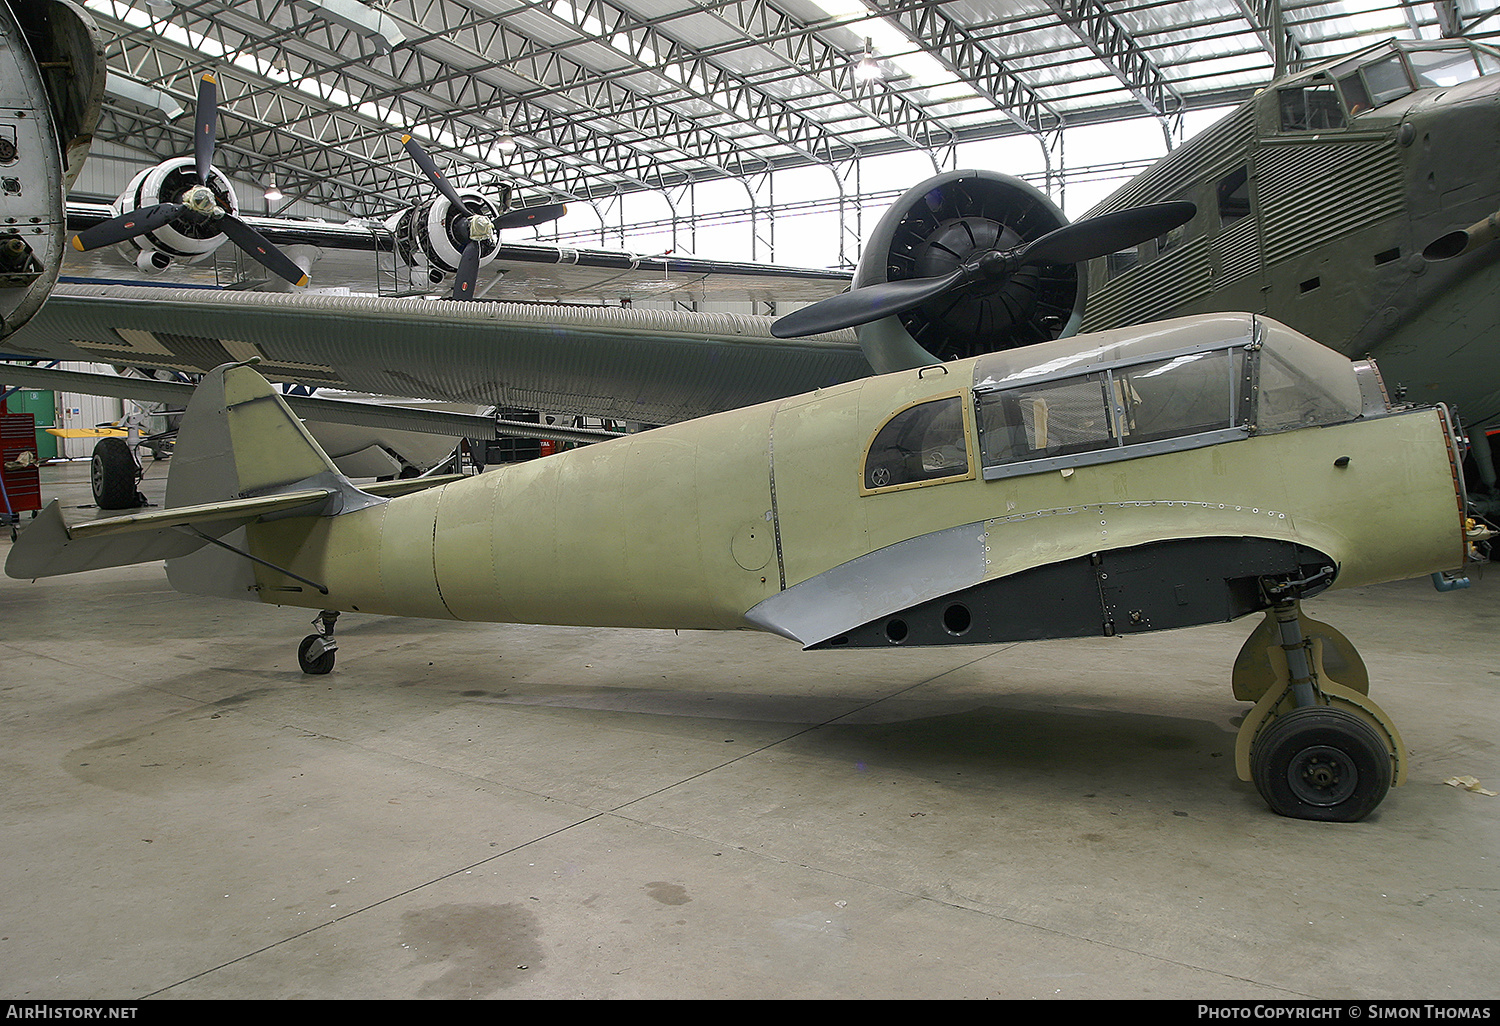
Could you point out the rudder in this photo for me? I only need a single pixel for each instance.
(238, 439)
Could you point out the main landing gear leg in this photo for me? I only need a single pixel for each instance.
(1315, 747)
(315, 654)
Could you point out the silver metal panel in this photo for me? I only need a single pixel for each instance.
(874, 585)
(31, 196)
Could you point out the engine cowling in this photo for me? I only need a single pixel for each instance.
(181, 240)
(930, 231)
(430, 235)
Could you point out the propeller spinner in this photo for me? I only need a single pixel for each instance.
(1070, 244)
(475, 229)
(198, 206)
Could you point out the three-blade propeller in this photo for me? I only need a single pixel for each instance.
(197, 205)
(476, 229)
(1070, 244)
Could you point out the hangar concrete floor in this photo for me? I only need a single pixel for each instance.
(483, 811)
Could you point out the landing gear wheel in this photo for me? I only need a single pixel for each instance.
(320, 664)
(113, 473)
(1321, 763)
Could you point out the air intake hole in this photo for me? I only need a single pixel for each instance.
(957, 619)
(895, 631)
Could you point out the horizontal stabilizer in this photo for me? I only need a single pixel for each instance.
(408, 485)
(49, 547)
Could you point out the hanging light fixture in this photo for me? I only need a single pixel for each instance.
(867, 70)
(505, 142)
(273, 193)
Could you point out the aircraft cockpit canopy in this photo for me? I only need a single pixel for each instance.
(1116, 396)
(1378, 76)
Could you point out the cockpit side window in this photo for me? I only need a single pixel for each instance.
(1233, 193)
(1291, 396)
(1117, 264)
(1355, 93)
(1386, 79)
(1056, 418)
(925, 443)
(1373, 81)
(1446, 67)
(1310, 107)
(1194, 399)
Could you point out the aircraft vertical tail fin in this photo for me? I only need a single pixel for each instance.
(239, 439)
(241, 455)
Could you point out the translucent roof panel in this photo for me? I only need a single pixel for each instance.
(611, 96)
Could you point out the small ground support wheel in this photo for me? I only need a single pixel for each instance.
(113, 473)
(1321, 763)
(321, 664)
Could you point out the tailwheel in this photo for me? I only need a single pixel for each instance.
(315, 654)
(1322, 763)
(311, 656)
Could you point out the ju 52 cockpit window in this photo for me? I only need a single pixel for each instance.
(925, 443)
(1373, 83)
(1313, 107)
(1450, 66)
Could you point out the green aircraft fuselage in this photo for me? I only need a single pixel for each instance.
(1009, 486)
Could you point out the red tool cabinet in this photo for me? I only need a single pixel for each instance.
(20, 471)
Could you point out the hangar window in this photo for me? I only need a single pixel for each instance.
(1310, 107)
(925, 443)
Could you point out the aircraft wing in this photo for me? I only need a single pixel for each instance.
(646, 366)
(377, 416)
(360, 257)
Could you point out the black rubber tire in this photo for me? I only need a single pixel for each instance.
(322, 664)
(1321, 763)
(113, 473)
